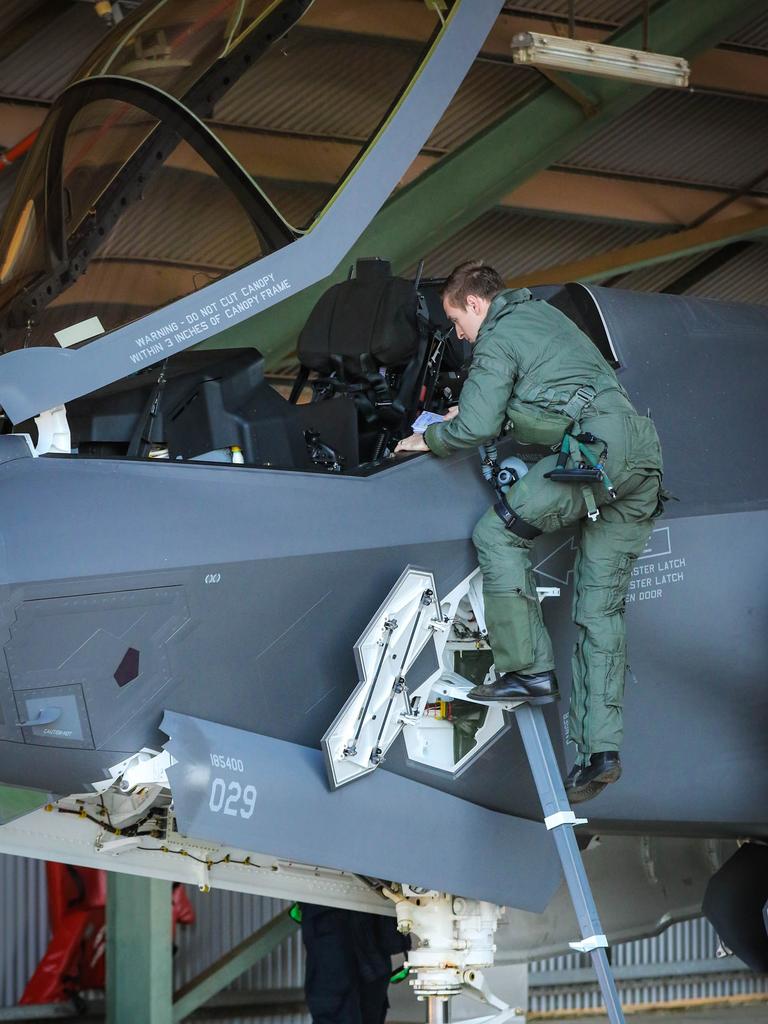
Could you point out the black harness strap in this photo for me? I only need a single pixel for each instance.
(514, 523)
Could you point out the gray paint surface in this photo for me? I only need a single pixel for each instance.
(274, 575)
(387, 827)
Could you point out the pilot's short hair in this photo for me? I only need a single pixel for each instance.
(473, 277)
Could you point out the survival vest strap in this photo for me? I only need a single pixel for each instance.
(535, 417)
(587, 470)
(513, 522)
(578, 403)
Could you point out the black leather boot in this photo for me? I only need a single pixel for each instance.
(540, 688)
(573, 775)
(603, 769)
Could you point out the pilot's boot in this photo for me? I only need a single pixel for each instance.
(571, 778)
(540, 688)
(603, 769)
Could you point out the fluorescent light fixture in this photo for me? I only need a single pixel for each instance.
(587, 58)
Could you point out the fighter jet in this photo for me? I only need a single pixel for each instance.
(232, 618)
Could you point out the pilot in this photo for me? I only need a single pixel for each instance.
(535, 371)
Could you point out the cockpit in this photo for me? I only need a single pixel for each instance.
(152, 239)
(157, 176)
(374, 354)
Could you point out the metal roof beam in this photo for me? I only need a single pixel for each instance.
(277, 158)
(630, 201)
(711, 235)
(462, 186)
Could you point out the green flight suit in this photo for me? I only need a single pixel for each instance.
(529, 361)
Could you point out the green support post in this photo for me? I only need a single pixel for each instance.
(460, 187)
(139, 950)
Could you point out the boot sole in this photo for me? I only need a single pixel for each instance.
(578, 794)
(583, 793)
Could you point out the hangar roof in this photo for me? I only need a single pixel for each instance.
(299, 116)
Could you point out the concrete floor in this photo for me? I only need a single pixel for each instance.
(755, 1013)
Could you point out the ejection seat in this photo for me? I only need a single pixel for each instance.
(368, 340)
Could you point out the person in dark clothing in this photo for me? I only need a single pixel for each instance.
(349, 964)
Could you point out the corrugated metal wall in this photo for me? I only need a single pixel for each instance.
(223, 920)
(678, 964)
(24, 923)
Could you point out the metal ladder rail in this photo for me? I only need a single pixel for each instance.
(560, 820)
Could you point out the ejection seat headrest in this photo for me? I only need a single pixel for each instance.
(366, 322)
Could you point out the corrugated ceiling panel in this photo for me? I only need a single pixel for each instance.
(158, 227)
(742, 279)
(297, 203)
(184, 218)
(607, 12)
(41, 68)
(516, 242)
(754, 35)
(489, 91)
(321, 84)
(8, 178)
(14, 11)
(613, 13)
(696, 138)
(657, 277)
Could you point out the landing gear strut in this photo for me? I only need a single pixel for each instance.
(452, 942)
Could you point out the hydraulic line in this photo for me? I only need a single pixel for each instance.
(399, 684)
(389, 627)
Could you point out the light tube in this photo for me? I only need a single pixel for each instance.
(588, 58)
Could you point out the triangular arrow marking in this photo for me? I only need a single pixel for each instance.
(570, 543)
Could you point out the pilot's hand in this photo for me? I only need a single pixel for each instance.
(452, 412)
(414, 443)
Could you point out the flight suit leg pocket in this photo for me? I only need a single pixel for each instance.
(643, 449)
(605, 715)
(617, 590)
(615, 668)
(511, 630)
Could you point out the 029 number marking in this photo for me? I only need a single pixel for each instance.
(231, 798)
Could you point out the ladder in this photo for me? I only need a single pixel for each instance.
(560, 821)
(387, 702)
